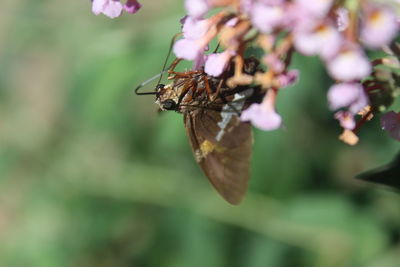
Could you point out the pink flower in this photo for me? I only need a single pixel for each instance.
(263, 116)
(188, 49)
(274, 62)
(217, 63)
(195, 29)
(113, 8)
(316, 8)
(379, 27)
(349, 65)
(132, 6)
(342, 18)
(346, 119)
(246, 5)
(323, 40)
(288, 78)
(266, 17)
(110, 8)
(197, 8)
(297, 18)
(197, 33)
(390, 122)
(198, 63)
(350, 95)
(232, 22)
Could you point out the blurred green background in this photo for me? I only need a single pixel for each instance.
(91, 175)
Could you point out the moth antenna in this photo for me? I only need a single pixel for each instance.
(169, 53)
(146, 82)
(159, 74)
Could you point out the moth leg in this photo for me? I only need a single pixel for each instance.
(185, 90)
(174, 64)
(217, 91)
(207, 86)
(188, 74)
(199, 91)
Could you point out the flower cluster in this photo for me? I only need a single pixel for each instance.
(338, 32)
(114, 8)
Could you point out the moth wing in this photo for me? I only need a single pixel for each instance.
(223, 151)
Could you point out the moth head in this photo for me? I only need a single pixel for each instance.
(166, 97)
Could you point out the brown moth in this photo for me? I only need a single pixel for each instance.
(221, 143)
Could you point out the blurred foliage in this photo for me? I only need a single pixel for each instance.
(91, 175)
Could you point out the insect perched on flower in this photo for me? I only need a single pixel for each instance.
(221, 142)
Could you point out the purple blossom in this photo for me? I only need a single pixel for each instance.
(349, 95)
(263, 116)
(113, 8)
(349, 65)
(346, 119)
(379, 27)
(342, 18)
(132, 6)
(274, 63)
(246, 5)
(110, 8)
(267, 17)
(195, 29)
(197, 8)
(315, 8)
(232, 22)
(390, 122)
(288, 78)
(198, 63)
(323, 40)
(217, 63)
(297, 18)
(188, 49)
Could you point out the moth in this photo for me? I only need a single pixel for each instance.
(221, 143)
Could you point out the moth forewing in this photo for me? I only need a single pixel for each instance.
(225, 162)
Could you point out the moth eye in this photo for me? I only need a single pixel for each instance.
(160, 86)
(169, 104)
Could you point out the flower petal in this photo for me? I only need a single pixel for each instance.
(346, 119)
(349, 65)
(379, 27)
(187, 49)
(196, 8)
(349, 95)
(112, 8)
(216, 63)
